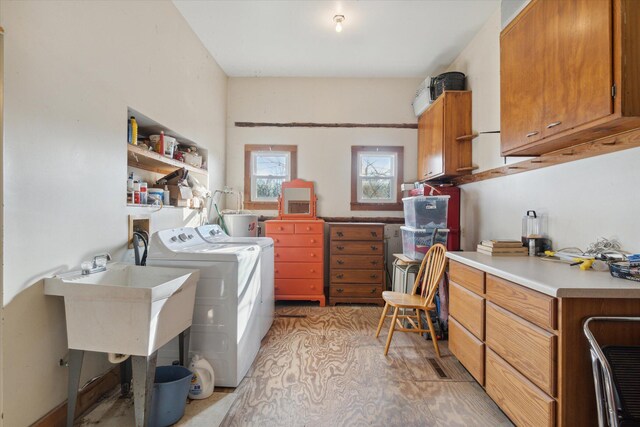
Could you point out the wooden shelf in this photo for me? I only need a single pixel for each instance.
(467, 137)
(151, 161)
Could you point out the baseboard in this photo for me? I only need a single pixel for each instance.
(86, 399)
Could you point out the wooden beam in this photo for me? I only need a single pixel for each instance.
(609, 144)
(327, 125)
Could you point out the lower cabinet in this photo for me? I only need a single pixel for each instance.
(527, 349)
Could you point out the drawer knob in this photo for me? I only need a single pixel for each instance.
(374, 276)
(340, 290)
(373, 291)
(312, 240)
(339, 248)
(340, 261)
(277, 255)
(374, 233)
(339, 276)
(308, 228)
(276, 240)
(374, 262)
(312, 255)
(312, 270)
(280, 228)
(340, 233)
(374, 248)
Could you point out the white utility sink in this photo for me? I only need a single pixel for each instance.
(126, 309)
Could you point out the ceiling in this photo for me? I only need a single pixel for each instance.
(268, 38)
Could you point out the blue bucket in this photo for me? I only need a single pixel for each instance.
(170, 393)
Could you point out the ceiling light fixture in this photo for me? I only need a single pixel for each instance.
(338, 19)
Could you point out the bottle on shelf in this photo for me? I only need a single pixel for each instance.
(132, 133)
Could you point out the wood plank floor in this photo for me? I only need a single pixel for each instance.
(325, 368)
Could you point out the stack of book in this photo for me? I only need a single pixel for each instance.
(502, 248)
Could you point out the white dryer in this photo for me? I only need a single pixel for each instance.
(226, 317)
(214, 234)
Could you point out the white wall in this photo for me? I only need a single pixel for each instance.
(72, 68)
(324, 155)
(583, 200)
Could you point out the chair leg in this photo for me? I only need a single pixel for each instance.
(384, 313)
(419, 319)
(391, 329)
(433, 334)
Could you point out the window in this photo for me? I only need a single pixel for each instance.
(266, 168)
(376, 174)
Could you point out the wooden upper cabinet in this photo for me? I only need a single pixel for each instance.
(566, 74)
(521, 103)
(440, 154)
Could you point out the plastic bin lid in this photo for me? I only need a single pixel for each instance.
(442, 196)
(422, 230)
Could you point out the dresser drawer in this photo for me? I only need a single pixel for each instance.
(470, 278)
(357, 248)
(356, 276)
(467, 308)
(528, 348)
(309, 228)
(360, 232)
(299, 287)
(298, 254)
(518, 397)
(363, 291)
(279, 228)
(531, 305)
(361, 262)
(298, 240)
(467, 348)
(294, 270)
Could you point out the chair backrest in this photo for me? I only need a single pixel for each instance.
(430, 273)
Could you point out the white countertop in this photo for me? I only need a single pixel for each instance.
(551, 278)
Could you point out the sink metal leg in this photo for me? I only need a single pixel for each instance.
(144, 372)
(184, 339)
(75, 366)
(125, 377)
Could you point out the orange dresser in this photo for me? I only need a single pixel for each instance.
(299, 259)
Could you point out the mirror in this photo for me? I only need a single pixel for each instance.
(297, 200)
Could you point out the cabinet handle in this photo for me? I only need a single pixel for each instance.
(339, 276)
(534, 133)
(339, 248)
(340, 233)
(340, 290)
(374, 248)
(374, 234)
(340, 261)
(374, 276)
(554, 124)
(373, 291)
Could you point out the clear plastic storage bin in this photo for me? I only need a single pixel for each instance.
(417, 241)
(426, 212)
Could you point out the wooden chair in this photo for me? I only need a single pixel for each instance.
(429, 276)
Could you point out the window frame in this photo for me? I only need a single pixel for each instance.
(249, 150)
(356, 205)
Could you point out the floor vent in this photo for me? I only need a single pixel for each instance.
(436, 367)
(294, 316)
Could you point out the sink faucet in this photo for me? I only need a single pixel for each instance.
(98, 264)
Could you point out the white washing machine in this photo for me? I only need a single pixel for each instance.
(226, 318)
(213, 233)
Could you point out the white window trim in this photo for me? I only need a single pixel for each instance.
(393, 178)
(254, 189)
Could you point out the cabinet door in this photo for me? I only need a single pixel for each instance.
(578, 63)
(522, 79)
(422, 147)
(434, 138)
